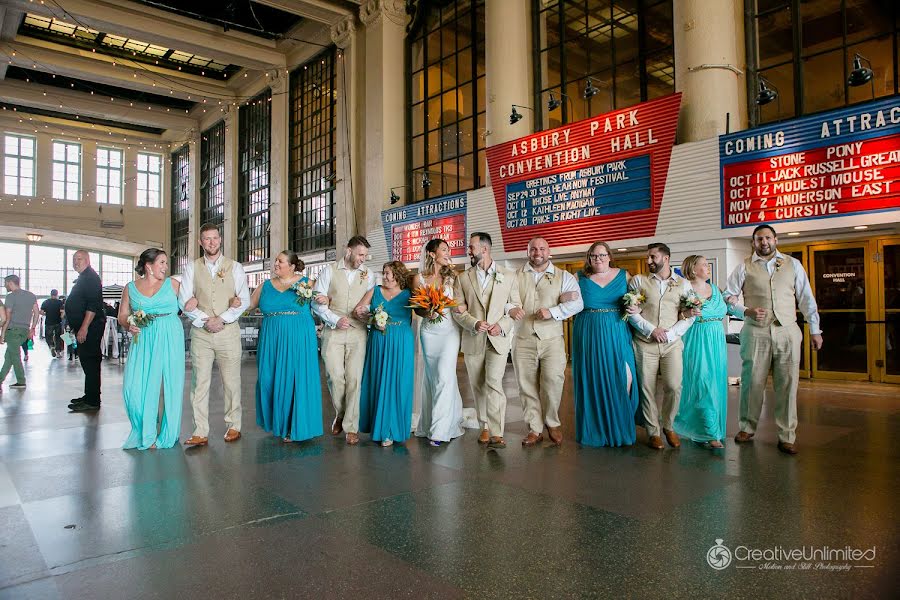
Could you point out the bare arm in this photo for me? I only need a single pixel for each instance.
(362, 308)
(254, 299)
(124, 309)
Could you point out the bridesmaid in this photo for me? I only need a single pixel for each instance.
(386, 400)
(704, 397)
(156, 357)
(288, 389)
(603, 370)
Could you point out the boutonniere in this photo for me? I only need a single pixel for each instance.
(778, 262)
(498, 276)
(221, 274)
(672, 283)
(548, 276)
(363, 276)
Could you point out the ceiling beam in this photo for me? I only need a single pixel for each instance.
(10, 19)
(155, 26)
(315, 10)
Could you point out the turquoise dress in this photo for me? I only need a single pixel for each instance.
(386, 397)
(155, 359)
(704, 394)
(288, 388)
(602, 359)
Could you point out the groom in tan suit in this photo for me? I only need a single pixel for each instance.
(491, 296)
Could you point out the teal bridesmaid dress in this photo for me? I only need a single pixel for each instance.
(602, 359)
(288, 388)
(155, 359)
(386, 397)
(704, 393)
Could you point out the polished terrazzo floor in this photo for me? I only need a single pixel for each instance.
(80, 518)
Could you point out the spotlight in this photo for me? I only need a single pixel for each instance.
(860, 75)
(394, 197)
(553, 103)
(589, 90)
(514, 116)
(766, 93)
(426, 183)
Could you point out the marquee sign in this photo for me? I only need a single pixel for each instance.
(600, 178)
(408, 228)
(837, 163)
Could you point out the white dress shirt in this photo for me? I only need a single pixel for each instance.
(563, 310)
(802, 290)
(241, 290)
(645, 327)
(328, 316)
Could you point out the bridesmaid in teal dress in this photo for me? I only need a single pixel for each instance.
(386, 399)
(288, 388)
(704, 395)
(603, 371)
(156, 355)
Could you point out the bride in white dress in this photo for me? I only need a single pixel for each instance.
(441, 417)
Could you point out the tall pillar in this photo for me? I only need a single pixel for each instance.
(279, 176)
(230, 226)
(194, 218)
(349, 186)
(709, 52)
(385, 123)
(508, 69)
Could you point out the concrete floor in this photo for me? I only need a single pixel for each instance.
(80, 518)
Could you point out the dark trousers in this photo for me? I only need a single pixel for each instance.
(53, 336)
(89, 355)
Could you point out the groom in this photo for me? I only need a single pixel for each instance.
(491, 296)
(214, 280)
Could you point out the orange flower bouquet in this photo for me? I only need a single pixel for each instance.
(431, 300)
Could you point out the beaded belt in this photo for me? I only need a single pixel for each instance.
(603, 310)
(157, 315)
(281, 312)
(708, 319)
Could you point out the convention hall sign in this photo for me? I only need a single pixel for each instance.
(842, 162)
(408, 228)
(600, 178)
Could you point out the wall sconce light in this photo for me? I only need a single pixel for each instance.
(553, 103)
(515, 116)
(34, 237)
(426, 183)
(767, 92)
(861, 75)
(589, 90)
(394, 197)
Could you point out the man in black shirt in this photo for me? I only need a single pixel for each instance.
(84, 312)
(51, 308)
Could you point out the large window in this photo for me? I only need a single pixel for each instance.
(806, 50)
(625, 47)
(254, 148)
(116, 270)
(181, 208)
(149, 180)
(66, 171)
(109, 176)
(212, 175)
(311, 200)
(12, 262)
(445, 58)
(18, 158)
(46, 269)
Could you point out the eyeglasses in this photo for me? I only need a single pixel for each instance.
(597, 256)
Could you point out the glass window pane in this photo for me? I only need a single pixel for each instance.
(823, 82)
(26, 146)
(72, 153)
(879, 52)
(776, 40)
(783, 79)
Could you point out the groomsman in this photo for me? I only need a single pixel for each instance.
(339, 288)
(773, 285)
(491, 295)
(216, 335)
(549, 296)
(657, 343)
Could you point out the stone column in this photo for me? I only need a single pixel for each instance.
(709, 50)
(349, 181)
(279, 176)
(230, 226)
(385, 123)
(508, 69)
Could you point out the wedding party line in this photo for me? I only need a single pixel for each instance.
(633, 335)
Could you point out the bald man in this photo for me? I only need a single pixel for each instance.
(84, 312)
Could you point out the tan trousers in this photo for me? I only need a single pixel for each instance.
(777, 348)
(665, 361)
(344, 355)
(541, 371)
(486, 376)
(223, 348)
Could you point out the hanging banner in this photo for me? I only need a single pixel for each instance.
(600, 178)
(407, 228)
(837, 163)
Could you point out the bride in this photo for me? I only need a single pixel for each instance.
(441, 416)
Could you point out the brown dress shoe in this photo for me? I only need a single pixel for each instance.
(496, 442)
(787, 448)
(337, 427)
(532, 439)
(196, 440)
(485, 437)
(672, 438)
(743, 437)
(232, 435)
(352, 438)
(555, 434)
(655, 442)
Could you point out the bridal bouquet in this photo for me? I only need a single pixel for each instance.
(691, 300)
(432, 300)
(140, 319)
(304, 291)
(632, 299)
(379, 318)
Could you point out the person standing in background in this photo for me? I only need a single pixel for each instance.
(22, 315)
(84, 312)
(52, 309)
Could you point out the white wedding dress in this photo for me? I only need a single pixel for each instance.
(441, 410)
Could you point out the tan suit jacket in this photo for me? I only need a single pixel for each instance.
(490, 307)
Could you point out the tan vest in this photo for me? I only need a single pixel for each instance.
(534, 297)
(214, 293)
(661, 310)
(344, 298)
(773, 292)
